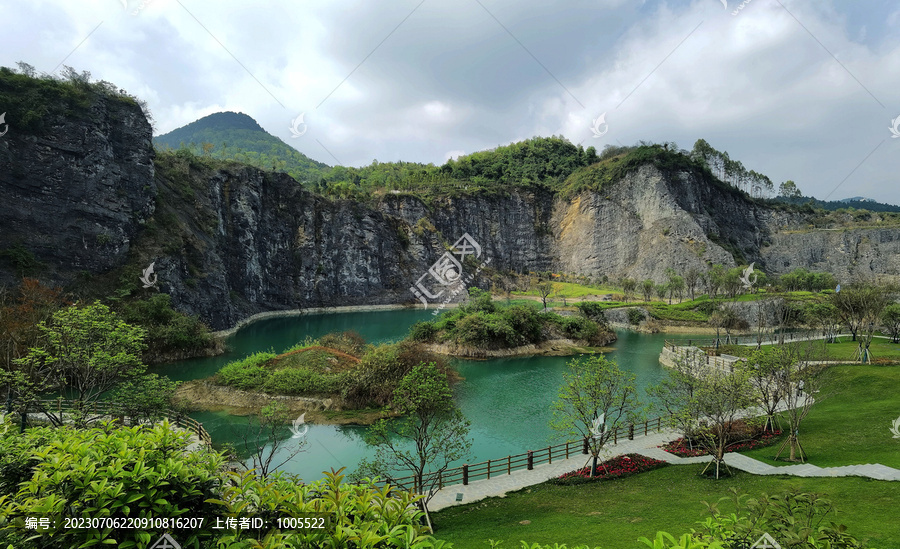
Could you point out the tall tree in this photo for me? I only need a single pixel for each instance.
(789, 189)
(628, 286)
(430, 423)
(692, 280)
(85, 351)
(890, 317)
(596, 399)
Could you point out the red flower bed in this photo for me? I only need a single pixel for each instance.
(617, 467)
(681, 448)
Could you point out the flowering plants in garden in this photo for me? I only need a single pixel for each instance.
(617, 467)
(681, 448)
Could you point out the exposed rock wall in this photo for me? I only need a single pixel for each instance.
(85, 199)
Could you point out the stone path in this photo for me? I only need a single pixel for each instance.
(501, 484)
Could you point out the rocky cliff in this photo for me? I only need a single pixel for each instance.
(88, 200)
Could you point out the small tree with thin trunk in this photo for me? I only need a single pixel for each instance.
(431, 433)
(647, 289)
(265, 439)
(628, 286)
(595, 399)
(544, 289)
(763, 369)
(800, 383)
(890, 317)
(692, 280)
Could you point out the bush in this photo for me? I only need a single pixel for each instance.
(593, 310)
(636, 316)
(485, 330)
(167, 329)
(373, 381)
(249, 373)
(524, 321)
(113, 472)
(617, 467)
(422, 331)
(579, 327)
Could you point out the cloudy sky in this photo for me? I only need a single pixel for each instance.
(794, 89)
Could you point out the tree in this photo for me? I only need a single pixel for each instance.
(789, 189)
(692, 280)
(715, 279)
(647, 289)
(860, 304)
(544, 288)
(890, 317)
(264, 440)
(595, 399)
(825, 316)
(628, 286)
(85, 351)
(798, 378)
(430, 423)
(145, 399)
(763, 369)
(706, 402)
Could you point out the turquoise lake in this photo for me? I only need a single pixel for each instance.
(507, 400)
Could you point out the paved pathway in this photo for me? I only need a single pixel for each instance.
(500, 485)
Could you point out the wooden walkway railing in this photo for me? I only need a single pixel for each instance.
(116, 409)
(493, 467)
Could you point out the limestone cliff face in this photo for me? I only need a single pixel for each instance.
(77, 194)
(87, 200)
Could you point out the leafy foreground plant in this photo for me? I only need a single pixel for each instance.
(141, 472)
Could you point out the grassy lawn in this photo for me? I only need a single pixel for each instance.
(850, 425)
(614, 514)
(572, 290)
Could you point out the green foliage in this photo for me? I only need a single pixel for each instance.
(431, 422)
(295, 381)
(21, 259)
(168, 330)
(592, 310)
(635, 316)
(802, 279)
(890, 318)
(248, 373)
(422, 331)
(145, 398)
(373, 381)
(481, 329)
(112, 472)
(86, 350)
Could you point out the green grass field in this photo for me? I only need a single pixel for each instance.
(614, 514)
(851, 423)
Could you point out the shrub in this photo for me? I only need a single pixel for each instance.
(525, 321)
(635, 316)
(349, 342)
(617, 467)
(422, 331)
(485, 330)
(593, 310)
(249, 373)
(579, 327)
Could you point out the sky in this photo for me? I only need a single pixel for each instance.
(799, 90)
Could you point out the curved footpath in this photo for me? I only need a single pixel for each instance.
(647, 445)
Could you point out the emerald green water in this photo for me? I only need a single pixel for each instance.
(507, 400)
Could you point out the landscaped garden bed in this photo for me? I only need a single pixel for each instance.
(682, 448)
(617, 467)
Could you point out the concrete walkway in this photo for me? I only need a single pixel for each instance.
(500, 485)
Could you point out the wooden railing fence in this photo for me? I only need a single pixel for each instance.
(493, 467)
(117, 409)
